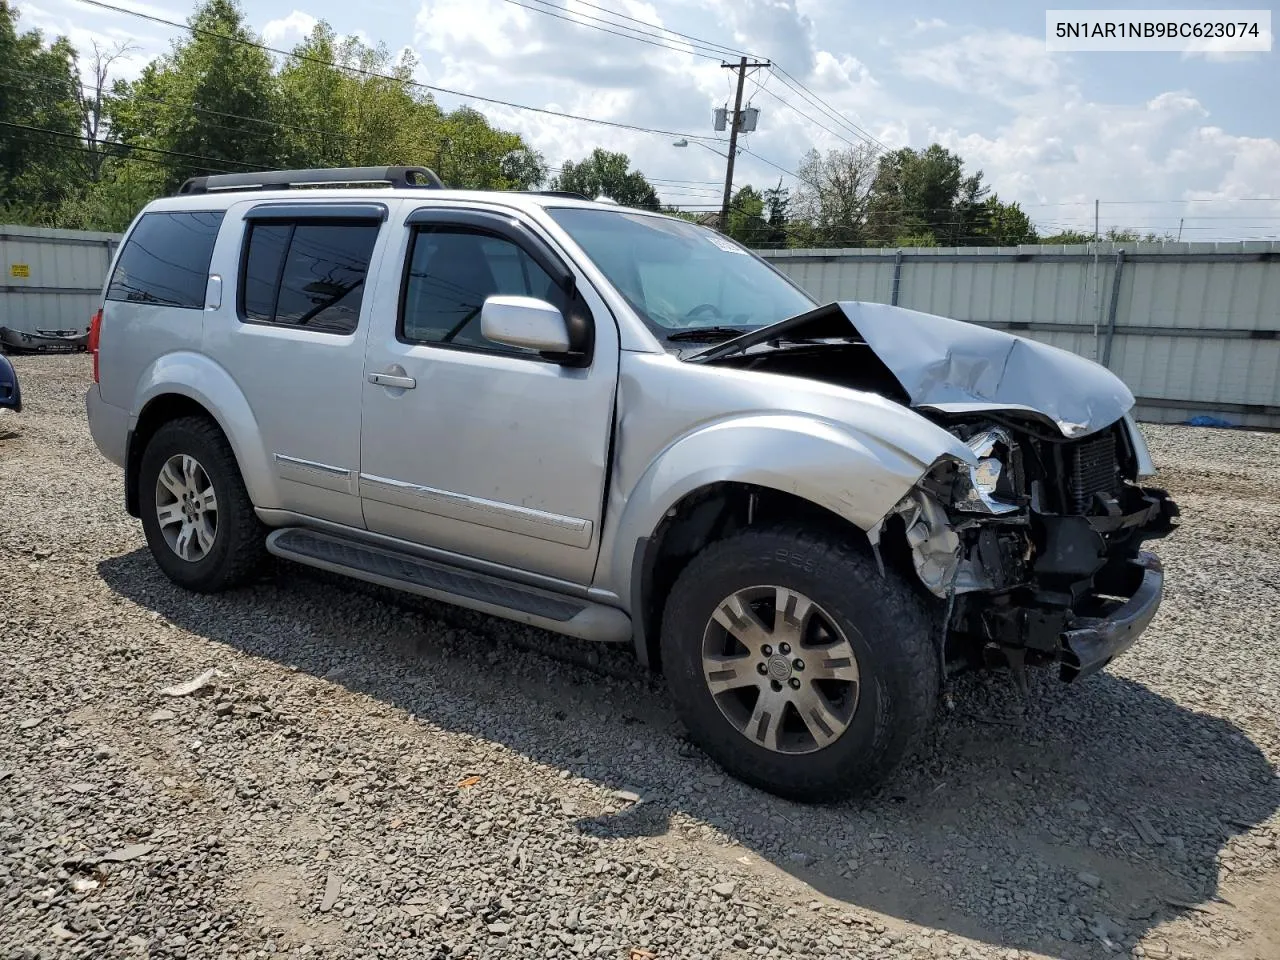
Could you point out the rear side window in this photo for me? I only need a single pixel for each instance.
(306, 274)
(165, 261)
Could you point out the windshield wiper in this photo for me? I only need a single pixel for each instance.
(709, 334)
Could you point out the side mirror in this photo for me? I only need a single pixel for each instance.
(10, 394)
(525, 322)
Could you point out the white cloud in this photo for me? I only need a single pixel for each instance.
(138, 47)
(296, 26)
(933, 23)
(1218, 49)
(1060, 151)
(999, 65)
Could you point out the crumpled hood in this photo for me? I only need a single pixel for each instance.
(957, 367)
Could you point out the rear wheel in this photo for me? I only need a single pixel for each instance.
(796, 664)
(196, 513)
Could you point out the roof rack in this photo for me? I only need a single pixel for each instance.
(397, 177)
(567, 194)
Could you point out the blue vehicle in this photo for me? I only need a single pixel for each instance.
(10, 392)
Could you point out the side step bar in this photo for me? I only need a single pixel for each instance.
(571, 616)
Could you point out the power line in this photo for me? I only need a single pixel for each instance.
(705, 44)
(126, 146)
(792, 107)
(184, 106)
(792, 83)
(628, 36)
(713, 51)
(63, 82)
(197, 31)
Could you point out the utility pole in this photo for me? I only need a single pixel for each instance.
(735, 121)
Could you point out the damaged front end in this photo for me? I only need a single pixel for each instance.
(1036, 545)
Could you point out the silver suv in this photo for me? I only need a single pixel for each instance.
(625, 428)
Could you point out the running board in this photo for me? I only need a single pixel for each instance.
(571, 616)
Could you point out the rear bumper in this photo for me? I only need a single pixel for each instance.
(108, 425)
(1092, 642)
(18, 341)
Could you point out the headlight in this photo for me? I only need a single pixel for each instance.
(978, 494)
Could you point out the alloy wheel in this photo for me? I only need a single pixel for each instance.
(187, 507)
(780, 670)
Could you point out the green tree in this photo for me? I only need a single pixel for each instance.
(830, 202)
(777, 212)
(111, 202)
(481, 157)
(350, 104)
(524, 168)
(1068, 237)
(1112, 235)
(1000, 224)
(607, 174)
(682, 214)
(747, 223)
(925, 191)
(1117, 235)
(40, 150)
(922, 239)
(209, 104)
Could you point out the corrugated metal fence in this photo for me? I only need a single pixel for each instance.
(1192, 328)
(51, 279)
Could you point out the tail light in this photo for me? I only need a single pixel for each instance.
(95, 331)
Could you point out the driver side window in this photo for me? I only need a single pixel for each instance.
(452, 271)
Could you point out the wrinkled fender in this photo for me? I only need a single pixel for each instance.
(853, 475)
(197, 377)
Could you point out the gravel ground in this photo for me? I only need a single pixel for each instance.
(368, 776)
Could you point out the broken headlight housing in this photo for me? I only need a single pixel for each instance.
(978, 487)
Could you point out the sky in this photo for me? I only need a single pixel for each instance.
(1166, 142)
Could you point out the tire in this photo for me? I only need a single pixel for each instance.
(887, 705)
(234, 551)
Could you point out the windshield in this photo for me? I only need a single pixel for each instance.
(681, 277)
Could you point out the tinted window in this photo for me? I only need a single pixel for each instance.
(166, 260)
(266, 248)
(452, 272)
(307, 274)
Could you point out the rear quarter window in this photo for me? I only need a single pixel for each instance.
(166, 259)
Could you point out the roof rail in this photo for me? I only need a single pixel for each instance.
(567, 194)
(398, 177)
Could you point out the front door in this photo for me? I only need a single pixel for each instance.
(472, 446)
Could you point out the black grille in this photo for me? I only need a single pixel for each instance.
(1091, 469)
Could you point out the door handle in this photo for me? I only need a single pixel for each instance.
(391, 380)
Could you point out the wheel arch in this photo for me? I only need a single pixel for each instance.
(770, 468)
(186, 384)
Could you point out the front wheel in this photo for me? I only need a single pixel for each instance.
(796, 665)
(197, 515)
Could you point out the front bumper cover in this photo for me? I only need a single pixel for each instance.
(1090, 643)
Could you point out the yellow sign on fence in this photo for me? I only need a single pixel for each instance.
(20, 270)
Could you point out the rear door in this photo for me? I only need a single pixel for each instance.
(293, 337)
(475, 447)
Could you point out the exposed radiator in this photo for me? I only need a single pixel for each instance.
(1091, 469)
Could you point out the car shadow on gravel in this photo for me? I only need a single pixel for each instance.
(1070, 827)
